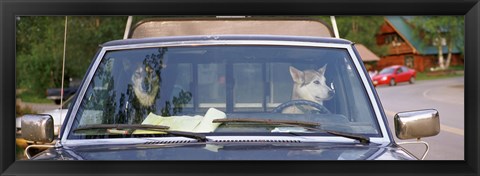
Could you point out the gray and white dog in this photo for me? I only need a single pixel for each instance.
(309, 85)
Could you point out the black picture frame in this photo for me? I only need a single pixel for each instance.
(9, 9)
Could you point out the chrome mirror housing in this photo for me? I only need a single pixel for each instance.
(38, 128)
(417, 124)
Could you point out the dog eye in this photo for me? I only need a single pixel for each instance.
(316, 82)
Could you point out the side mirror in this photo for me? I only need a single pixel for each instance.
(417, 124)
(38, 128)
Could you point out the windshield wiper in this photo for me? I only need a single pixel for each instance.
(313, 126)
(133, 127)
(268, 121)
(121, 126)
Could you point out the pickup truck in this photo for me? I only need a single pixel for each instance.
(217, 95)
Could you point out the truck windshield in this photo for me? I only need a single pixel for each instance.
(187, 87)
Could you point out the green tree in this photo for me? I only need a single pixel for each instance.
(360, 29)
(39, 46)
(440, 31)
(39, 51)
(85, 34)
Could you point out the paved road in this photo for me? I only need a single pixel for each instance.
(445, 95)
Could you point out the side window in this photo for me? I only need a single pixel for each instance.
(280, 82)
(248, 86)
(183, 84)
(212, 85)
(399, 70)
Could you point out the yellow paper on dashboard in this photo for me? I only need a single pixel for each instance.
(176, 123)
(184, 123)
(206, 125)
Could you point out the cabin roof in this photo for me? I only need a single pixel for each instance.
(402, 26)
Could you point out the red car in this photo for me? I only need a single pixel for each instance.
(393, 75)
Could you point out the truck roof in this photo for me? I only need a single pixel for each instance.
(292, 26)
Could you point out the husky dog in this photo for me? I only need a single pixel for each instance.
(145, 85)
(309, 85)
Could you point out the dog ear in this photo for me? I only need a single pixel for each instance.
(297, 75)
(322, 70)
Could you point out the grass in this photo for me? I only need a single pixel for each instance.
(457, 67)
(31, 97)
(425, 76)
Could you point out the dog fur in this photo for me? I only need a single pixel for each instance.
(145, 85)
(309, 85)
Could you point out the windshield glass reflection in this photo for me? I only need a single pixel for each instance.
(186, 88)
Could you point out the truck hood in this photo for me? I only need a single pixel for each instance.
(229, 151)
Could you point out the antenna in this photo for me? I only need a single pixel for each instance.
(63, 69)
